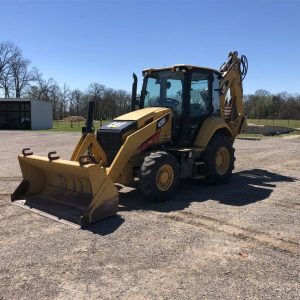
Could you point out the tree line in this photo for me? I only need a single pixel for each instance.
(18, 78)
(265, 105)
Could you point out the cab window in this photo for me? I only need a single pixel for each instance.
(200, 104)
(165, 88)
(216, 95)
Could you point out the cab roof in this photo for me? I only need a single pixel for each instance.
(179, 67)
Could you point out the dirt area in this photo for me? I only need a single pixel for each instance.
(239, 240)
(267, 129)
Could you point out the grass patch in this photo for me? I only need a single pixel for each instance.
(75, 126)
(250, 136)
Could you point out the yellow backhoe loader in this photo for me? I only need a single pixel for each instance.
(183, 126)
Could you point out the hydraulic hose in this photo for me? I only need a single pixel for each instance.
(243, 67)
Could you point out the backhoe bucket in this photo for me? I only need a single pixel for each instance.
(66, 190)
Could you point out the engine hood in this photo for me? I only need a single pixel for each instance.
(144, 116)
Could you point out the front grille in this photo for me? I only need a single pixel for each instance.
(111, 142)
(110, 136)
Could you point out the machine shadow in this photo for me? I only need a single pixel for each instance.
(106, 226)
(245, 187)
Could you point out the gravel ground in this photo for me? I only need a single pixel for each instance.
(240, 240)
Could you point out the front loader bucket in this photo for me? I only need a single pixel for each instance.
(66, 190)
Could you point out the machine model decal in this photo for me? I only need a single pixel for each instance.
(115, 124)
(162, 121)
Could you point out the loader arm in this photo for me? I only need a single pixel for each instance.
(88, 143)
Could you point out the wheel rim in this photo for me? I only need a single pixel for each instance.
(164, 177)
(222, 160)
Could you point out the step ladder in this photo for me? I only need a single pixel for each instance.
(198, 170)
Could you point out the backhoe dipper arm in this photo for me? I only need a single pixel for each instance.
(233, 71)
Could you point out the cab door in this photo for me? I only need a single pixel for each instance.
(199, 104)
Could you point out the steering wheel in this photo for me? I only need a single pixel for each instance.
(173, 101)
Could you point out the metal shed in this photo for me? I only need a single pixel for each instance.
(25, 114)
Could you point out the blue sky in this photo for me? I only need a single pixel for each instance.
(79, 42)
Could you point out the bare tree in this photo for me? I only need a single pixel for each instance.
(64, 100)
(123, 102)
(76, 102)
(46, 90)
(8, 52)
(21, 75)
(54, 96)
(15, 74)
(41, 89)
(6, 83)
(17, 79)
(96, 93)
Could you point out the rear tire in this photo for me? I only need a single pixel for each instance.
(219, 159)
(158, 176)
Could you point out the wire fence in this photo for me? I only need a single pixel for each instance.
(67, 124)
(63, 125)
(276, 122)
(74, 125)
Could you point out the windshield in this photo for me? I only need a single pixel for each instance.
(165, 89)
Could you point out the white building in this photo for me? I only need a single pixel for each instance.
(25, 114)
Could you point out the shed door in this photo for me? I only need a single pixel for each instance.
(15, 115)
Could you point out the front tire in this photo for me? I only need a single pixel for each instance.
(158, 176)
(219, 159)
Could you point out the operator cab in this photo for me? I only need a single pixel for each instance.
(191, 92)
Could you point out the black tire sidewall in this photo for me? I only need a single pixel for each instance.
(149, 169)
(217, 142)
